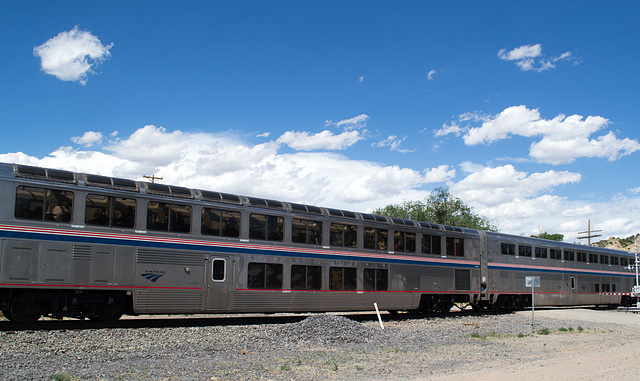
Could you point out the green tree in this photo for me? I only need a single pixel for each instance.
(549, 236)
(440, 207)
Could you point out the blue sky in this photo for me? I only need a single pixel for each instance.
(527, 110)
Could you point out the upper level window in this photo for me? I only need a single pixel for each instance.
(266, 227)
(224, 223)
(404, 241)
(508, 248)
(593, 258)
(555, 254)
(615, 261)
(524, 251)
(569, 255)
(306, 231)
(168, 217)
(375, 239)
(343, 235)
(431, 244)
(541, 252)
(604, 259)
(43, 204)
(110, 211)
(581, 257)
(455, 247)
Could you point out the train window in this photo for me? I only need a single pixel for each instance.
(431, 244)
(168, 217)
(606, 287)
(604, 259)
(624, 262)
(593, 258)
(615, 261)
(343, 235)
(218, 270)
(110, 211)
(375, 239)
(524, 251)
(306, 231)
(569, 255)
(541, 252)
(555, 254)
(306, 277)
(43, 204)
(224, 223)
(404, 241)
(375, 279)
(596, 287)
(573, 283)
(264, 276)
(342, 278)
(581, 257)
(508, 248)
(266, 227)
(455, 247)
(613, 287)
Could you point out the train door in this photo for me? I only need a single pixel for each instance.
(573, 296)
(218, 277)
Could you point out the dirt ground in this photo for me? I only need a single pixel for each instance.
(611, 354)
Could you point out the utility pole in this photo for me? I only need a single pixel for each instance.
(153, 178)
(589, 234)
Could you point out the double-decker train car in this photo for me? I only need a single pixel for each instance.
(88, 246)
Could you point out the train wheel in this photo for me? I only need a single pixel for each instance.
(25, 309)
(110, 312)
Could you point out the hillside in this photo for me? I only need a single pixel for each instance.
(617, 243)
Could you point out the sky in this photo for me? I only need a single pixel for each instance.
(527, 110)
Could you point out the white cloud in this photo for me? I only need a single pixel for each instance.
(88, 139)
(530, 57)
(563, 139)
(72, 55)
(361, 78)
(393, 142)
(263, 135)
(223, 162)
(431, 74)
(357, 122)
(494, 186)
(439, 174)
(304, 141)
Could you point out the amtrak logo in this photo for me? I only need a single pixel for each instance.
(152, 275)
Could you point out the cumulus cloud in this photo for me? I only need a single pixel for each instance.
(431, 74)
(224, 162)
(304, 141)
(561, 139)
(88, 139)
(72, 55)
(530, 57)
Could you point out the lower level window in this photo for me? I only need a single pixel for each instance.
(264, 276)
(342, 278)
(375, 279)
(306, 277)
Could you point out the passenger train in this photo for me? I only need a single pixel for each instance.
(88, 246)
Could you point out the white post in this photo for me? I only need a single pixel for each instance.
(635, 252)
(533, 308)
(379, 317)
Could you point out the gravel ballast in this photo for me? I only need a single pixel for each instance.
(318, 347)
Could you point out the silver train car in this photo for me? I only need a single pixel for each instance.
(88, 246)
